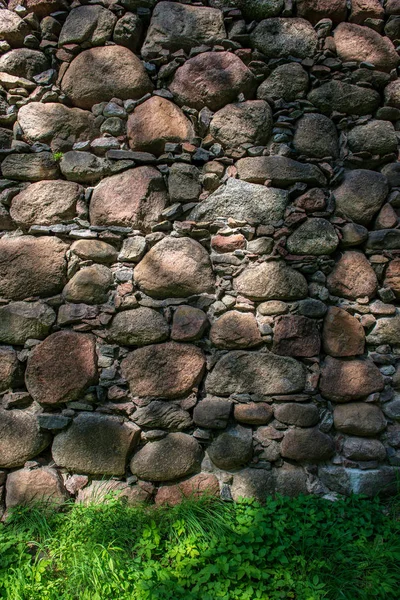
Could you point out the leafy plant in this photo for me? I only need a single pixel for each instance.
(304, 548)
(57, 156)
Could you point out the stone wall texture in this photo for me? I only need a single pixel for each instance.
(199, 248)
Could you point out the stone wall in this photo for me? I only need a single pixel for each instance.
(199, 248)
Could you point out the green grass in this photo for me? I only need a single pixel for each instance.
(305, 548)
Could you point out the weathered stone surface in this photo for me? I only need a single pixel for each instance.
(365, 9)
(386, 218)
(342, 334)
(247, 122)
(95, 250)
(198, 25)
(392, 277)
(90, 285)
(12, 28)
(315, 10)
(244, 201)
(383, 239)
(98, 492)
(315, 236)
(133, 249)
(31, 266)
(41, 8)
(280, 38)
(353, 235)
(375, 137)
(356, 448)
(228, 243)
(9, 367)
(255, 373)
(167, 370)
(279, 170)
(293, 413)
(253, 483)
(316, 136)
(173, 457)
(386, 331)
(344, 97)
(232, 449)
(87, 24)
(95, 444)
(128, 31)
(99, 74)
(188, 324)
(194, 487)
(30, 167)
(383, 481)
(289, 81)
(61, 367)
(253, 413)
(347, 380)
(392, 409)
(175, 268)
(20, 437)
(358, 43)
(359, 418)
(271, 281)
(307, 445)
(82, 167)
(138, 327)
(46, 203)
(392, 94)
(55, 123)
(162, 415)
(184, 183)
(235, 330)
(296, 336)
(39, 485)
(134, 198)
(23, 62)
(20, 321)
(211, 79)
(156, 122)
(352, 277)
(212, 413)
(360, 195)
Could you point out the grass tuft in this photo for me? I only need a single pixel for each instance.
(302, 549)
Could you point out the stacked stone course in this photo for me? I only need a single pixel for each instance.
(199, 248)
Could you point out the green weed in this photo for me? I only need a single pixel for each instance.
(302, 549)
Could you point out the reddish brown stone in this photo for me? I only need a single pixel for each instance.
(315, 10)
(203, 484)
(212, 79)
(346, 380)
(31, 266)
(99, 74)
(296, 336)
(387, 217)
(41, 8)
(253, 413)
(61, 367)
(175, 268)
(365, 9)
(168, 370)
(358, 43)
(188, 324)
(392, 276)
(228, 243)
(342, 334)
(38, 485)
(156, 122)
(359, 418)
(313, 200)
(134, 198)
(352, 277)
(235, 330)
(307, 445)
